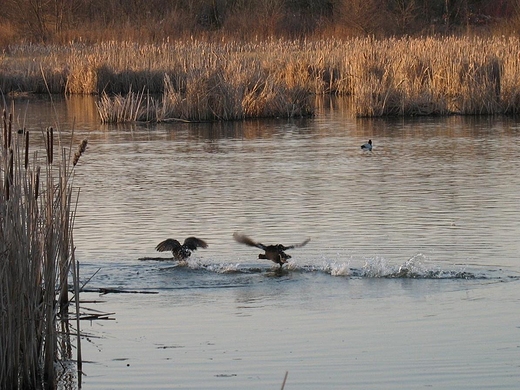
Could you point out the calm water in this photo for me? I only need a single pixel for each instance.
(411, 278)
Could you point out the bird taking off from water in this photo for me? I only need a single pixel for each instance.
(274, 253)
(367, 146)
(181, 252)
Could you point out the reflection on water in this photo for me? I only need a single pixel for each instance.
(410, 279)
(443, 187)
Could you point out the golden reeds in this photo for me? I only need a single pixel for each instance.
(121, 108)
(36, 259)
(208, 97)
(232, 80)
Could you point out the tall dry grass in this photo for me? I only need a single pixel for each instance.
(208, 96)
(431, 76)
(230, 80)
(36, 258)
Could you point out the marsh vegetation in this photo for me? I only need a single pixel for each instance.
(226, 60)
(37, 260)
(199, 80)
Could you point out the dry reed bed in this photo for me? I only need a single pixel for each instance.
(36, 259)
(229, 80)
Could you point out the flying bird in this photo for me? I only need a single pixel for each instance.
(181, 252)
(275, 253)
(367, 146)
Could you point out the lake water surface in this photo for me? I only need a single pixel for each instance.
(410, 280)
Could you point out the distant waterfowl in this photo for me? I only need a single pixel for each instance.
(181, 252)
(367, 146)
(275, 253)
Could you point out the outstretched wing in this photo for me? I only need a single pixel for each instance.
(243, 239)
(193, 243)
(298, 245)
(168, 245)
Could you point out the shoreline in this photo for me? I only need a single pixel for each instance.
(201, 80)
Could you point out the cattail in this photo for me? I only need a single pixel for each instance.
(26, 149)
(37, 183)
(35, 263)
(50, 145)
(81, 149)
(9, 177)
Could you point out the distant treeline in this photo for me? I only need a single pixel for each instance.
(60, 21)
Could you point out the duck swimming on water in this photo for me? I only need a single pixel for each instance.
(367, 146)
(275, 253)
(181, 252)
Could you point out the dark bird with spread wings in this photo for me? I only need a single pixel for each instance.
(274, 253)
(181, 252)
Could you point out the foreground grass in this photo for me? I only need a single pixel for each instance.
(200, 80)
(36, 258)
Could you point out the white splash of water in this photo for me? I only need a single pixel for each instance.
(414, 267)
(337, 269)
(377, 267)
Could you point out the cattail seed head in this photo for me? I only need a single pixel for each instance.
(81, 149)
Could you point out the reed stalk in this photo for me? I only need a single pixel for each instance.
(234, 80)
(36, 223)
